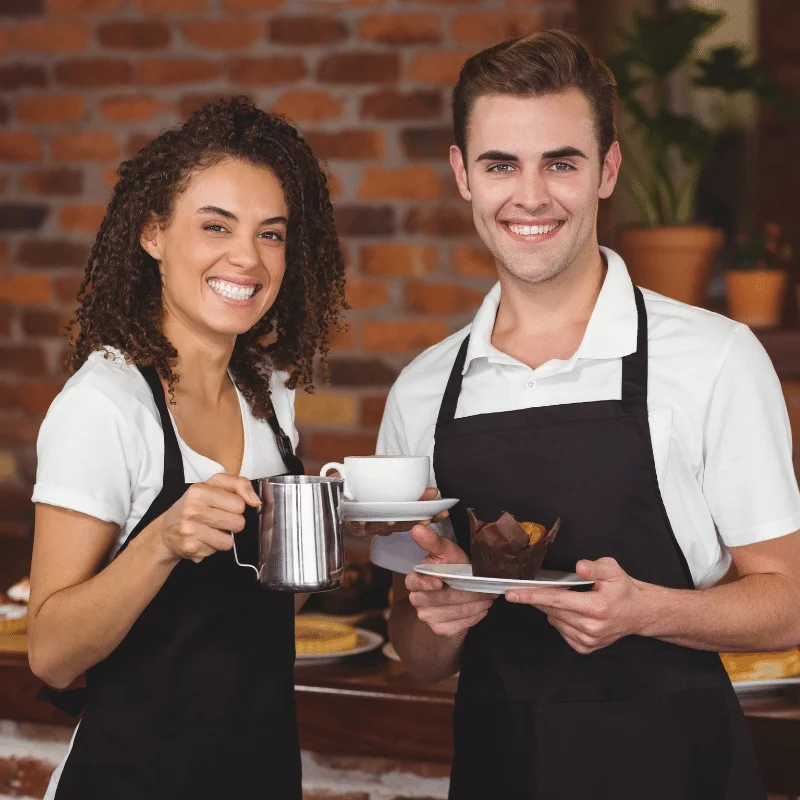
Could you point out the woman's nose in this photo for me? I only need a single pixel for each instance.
(243, 252)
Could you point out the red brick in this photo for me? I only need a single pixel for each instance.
(334, 185)
(50, 37)
(134, 35)
(81, 6)
(363, 294)
(401, 29)
(251, 5)
(309, 105)
(164, 6)
(5, 112)
(3, 39)
(223, 34)
(335, 446)
(94, 72)
(440, 298)
(441, 221)
(60, 181)
(51, 109)
(488, 27)
(391, 104)
(36, 396)
(363, 67)
(355, 144)
(18, 76)
(344, 339)
(23, 359)
(52, 253)
(427, 142)
(137, 142)
(189, 103)
(164, 71)
(269, 71)
(132, 108)
(19, 146)
(86, 217)
(398, 259)
(109, 176)
(28, 289)
(402, 336)
(473, 262)
(67, 286)
(404, 183)
(307, 30)
(85, 146)
(22, 216)
(365, 220)
(372, 411)
(9, 396)
(45, 323)
(440, 69)
(5, 254)
(19, 430)
(361, 372)
(3, 183)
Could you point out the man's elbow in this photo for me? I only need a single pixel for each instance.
(47, 669)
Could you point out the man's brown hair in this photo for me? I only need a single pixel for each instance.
(532, 66)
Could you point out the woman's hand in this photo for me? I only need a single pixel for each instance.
(201, 522)
(366, 530)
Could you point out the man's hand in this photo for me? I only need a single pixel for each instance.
(446, 611)
(591, 620)
(366, 530)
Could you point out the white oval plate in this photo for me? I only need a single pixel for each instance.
(459, 576)
(394, 512)
(752, 687)
(365, 642)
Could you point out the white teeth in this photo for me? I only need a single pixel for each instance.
(532, 230)
(232, 290)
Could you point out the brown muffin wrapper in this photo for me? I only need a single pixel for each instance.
(502, 549)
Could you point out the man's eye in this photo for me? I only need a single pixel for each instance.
(561, 166)
(500, 168)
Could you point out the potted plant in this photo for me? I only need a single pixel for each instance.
(755, 286)
(671, 253)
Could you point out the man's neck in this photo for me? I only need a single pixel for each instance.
(538, 322)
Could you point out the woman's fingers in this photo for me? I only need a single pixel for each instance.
(235, 484)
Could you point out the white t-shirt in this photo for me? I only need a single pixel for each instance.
(101, 446)
(718, 420)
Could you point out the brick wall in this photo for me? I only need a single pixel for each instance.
(86, 82)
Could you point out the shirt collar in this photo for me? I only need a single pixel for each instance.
(612, 328)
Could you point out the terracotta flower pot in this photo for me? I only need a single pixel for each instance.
(673, 260)
(755, 296)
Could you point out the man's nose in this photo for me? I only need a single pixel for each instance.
(531, 192)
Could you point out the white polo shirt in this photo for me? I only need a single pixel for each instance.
(718, 420)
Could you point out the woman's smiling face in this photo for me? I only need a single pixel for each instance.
(222, 254)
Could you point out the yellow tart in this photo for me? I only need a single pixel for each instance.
(761, 666)
(318, 636)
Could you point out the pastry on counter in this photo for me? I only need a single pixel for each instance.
(14, 609)
(508, 549)
(761, 666)
(321, 636)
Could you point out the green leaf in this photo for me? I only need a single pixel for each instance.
(648, 210)
(725, 69)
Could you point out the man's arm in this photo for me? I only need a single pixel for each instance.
(759, 611)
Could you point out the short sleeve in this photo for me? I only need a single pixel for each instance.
(86, 461)
(392, 439)
(749, 481)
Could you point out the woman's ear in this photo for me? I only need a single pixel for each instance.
(150, 237)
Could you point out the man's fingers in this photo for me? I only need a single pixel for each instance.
(447, 597)
(431, 493)
(451, 629)
(453, 613)
(440, 549)
(422, 583)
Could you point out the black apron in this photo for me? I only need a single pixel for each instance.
(197, 701)
(638, 720)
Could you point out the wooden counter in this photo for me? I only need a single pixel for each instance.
(369, 706)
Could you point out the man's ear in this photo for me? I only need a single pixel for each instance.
(150, 238)
(611, 167)
(460, 171)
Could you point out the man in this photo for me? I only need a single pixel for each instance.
(655, 430)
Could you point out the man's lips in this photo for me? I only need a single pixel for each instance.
(530, 232)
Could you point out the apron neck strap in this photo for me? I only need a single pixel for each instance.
(293, 464)
(634, 365)
(173, 460)
(634, 369)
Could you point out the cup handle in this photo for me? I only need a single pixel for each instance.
(236, 558)
(323, 473)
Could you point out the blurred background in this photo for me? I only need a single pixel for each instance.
(85, 83)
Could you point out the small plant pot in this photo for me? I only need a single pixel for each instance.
(755, 296)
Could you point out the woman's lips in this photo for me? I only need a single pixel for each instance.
(238, 295)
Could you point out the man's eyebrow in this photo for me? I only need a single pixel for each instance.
(496, 155)
(561, 152)
(230, 215)
(564, 152)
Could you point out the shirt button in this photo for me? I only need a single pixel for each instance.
(531, 384)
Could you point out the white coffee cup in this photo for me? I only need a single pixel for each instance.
(382, 479)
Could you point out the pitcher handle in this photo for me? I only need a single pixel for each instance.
(236, 558)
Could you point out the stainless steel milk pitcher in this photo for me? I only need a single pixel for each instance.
(300, 547)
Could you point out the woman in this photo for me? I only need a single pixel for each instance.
(216, 266)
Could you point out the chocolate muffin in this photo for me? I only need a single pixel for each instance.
(508, 549)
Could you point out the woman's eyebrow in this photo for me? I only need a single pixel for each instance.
(230, 215)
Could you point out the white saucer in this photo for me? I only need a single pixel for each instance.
(774, 684)
(459, 576)
(389, 651)
(365, 642)
(394, 512)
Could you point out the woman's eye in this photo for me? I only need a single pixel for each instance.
(274, 236)
(213, 226)
(500, 168)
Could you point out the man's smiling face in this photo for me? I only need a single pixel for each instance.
(534, 179)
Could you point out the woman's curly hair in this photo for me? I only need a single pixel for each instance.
(120, 299)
